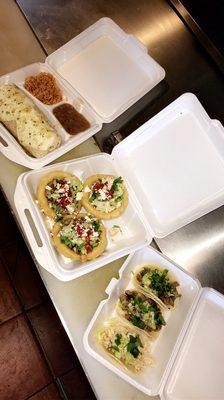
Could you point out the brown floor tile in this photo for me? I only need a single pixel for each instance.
(10, 231)
(24, 274)
(9, 255)
(22, 369)
(53, 338)
(76, 386)
(9, 304)
(49, 393)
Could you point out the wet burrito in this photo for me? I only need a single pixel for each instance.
(26, 122)
(159, 283)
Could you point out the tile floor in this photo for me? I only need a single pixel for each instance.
(37, 360)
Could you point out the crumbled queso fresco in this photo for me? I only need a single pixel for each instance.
(63, 195)
(106, 194)
(81, 234)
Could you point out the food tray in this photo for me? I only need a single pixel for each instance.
(185, 352)
(13, 149)
(159, 201)
(134, 234)
(133, 72)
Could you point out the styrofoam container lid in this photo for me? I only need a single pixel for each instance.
(197, 373)
(109, 68)
(164, 349)
(175, 165)
(101, 72)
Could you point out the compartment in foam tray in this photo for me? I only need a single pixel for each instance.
(188, 352)
(102, 60)
(69, 96)
(173, 167)
(133, 229)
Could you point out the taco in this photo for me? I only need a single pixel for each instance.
(129, 348)
(105, 196)
(80, 237)
(141, 311)
(159, 283)
(59, 193)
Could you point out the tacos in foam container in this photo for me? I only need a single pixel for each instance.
(159, 283)
(141, 311)
(124, 344)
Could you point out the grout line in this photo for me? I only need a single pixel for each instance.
(44, 387)
(11, 318)
(61, 389)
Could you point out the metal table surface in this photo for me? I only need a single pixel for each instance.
(198, 247)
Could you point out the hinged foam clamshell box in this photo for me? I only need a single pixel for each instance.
(101, 72)
(173, 167)
(189, 351)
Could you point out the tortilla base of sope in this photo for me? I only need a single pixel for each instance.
(121, 313)
(69, 253)
(119, 325)
(41, 197)
(172, 278)
(100, 214)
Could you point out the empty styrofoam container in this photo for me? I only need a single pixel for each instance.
(101, 72)
(173, 167)
(189, 351)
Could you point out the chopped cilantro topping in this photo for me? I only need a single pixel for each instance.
(115, 184)
(133, 345)
(118, 339)
(137, 322)
(96, 226)
(67, 241)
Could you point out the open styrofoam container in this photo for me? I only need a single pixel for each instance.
(101, 72)
(134, 231)
(11, 148)
(173, 167)
(189, 351)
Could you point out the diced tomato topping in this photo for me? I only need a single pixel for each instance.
(88, 248)
(65, 198)
(64, 201)
(87, 245)
(89, 232)
(97, 186)
(79, 230)
(109, 193)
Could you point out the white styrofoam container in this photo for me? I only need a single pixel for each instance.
(13, 149)
(189, 351)
(173, 166)
(133, 228)
(111, 71)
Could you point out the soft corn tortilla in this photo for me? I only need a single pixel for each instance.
(119, 325)
(100, 214)
(121, 313)
(69, 253)
(42, 199)
(172, 278)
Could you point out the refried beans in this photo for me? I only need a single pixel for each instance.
(71, 120)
